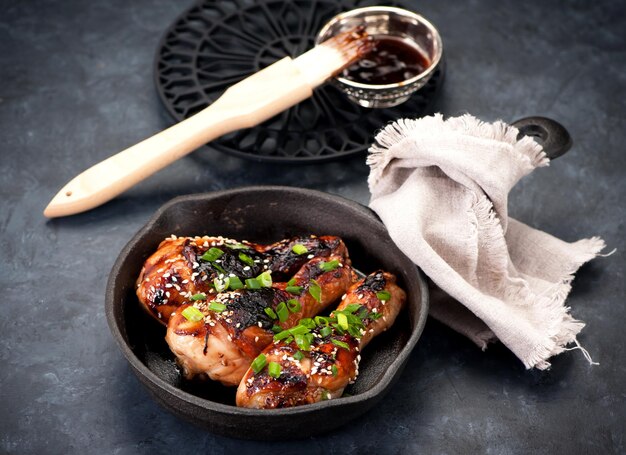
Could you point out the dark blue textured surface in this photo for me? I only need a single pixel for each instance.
(76, 86)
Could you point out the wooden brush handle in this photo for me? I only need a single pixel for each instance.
(246, 104)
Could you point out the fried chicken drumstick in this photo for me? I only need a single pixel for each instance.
(318, 358)
(186, 266)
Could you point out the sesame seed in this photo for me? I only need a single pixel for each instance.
(360, 296)
(238, 325)
(205, 244)
(310, 256)
(166, 275)
(174, 279)
(343, 297)
(256, 339)
(185, 281)
(247, 267)
(159, 314)
(167, 293)
(168, 285)
(260, 324)
(230, 338)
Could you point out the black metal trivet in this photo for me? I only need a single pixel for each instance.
(215, 44)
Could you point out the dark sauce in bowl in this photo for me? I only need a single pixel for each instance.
(391, 60)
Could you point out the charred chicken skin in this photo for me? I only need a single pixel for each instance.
(220, 334)
(186, 266)
(318, 358)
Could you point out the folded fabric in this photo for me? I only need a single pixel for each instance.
(441, 188)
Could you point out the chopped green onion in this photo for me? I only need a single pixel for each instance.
(333, 369)
(306, 322)
(338, 328)
(212, 254)
(235, 283)
(293, 305)
(294, 289)
(309, 337)
(218, 267)
(325, 395)
(282, 312)
(363, 313)
(298, 355)
(326, 331)
(329, 266)
(270, 313)
(341, 344)
(383, 295)
(342, 320)
(291, 282)
(355, 331)
(199, 296)
(277, 329)
(237, 246)
(217, 306)
(246, 259)
(191, 313)
(315, 290)
(273, 369)
(298, 330)
(352, 307)
(374, 316)
(265, 279)
(298, 248)
(253, 283)
(322, 320)
(302, 342)
(282, 335)
(259, 363)
(221, 284)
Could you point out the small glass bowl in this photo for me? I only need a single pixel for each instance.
(390, 21)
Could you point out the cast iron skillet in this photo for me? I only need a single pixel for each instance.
(263, 214)
(266, 214)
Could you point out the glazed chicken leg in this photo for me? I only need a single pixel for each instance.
(298, 370)
(232, 328)
(182, 266)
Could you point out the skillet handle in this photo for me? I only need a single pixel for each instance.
(548, 133)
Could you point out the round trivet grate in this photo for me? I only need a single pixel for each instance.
(215, 44)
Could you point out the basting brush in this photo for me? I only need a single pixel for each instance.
(244, 105)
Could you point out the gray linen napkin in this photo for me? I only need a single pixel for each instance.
(441, 188)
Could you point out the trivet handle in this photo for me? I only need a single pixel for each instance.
(548, 133)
